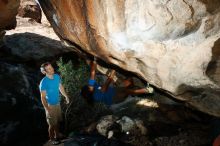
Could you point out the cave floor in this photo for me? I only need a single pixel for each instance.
(168, 123)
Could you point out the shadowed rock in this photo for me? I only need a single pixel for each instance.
(30, 9)
(168, 43)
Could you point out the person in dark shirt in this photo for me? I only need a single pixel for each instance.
(93, 92)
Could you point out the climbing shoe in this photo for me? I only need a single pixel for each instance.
(149, 89)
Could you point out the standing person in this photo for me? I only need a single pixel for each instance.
(93, 92)
(50, 86)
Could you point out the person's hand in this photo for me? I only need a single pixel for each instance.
(94, 62)
(88, 61)
(67, 100)
(94, 59)
(48, 110)
(112, 74)
(93, 66)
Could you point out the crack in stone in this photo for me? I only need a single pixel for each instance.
(190, 7)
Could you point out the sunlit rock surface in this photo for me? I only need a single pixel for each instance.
(33, 41)
(8, 11)
(173, 44)
(30, 9)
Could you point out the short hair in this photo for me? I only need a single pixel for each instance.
(43, 66)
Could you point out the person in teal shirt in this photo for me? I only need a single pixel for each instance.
(50, 86)
(93, 92)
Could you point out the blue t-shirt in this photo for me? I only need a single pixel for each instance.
(104, 97)
(51, 86)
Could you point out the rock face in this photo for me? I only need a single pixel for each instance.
(29, 40)
(173, 44)
(21, 112)
(33, 41)
(8, 11)
(30, 9)
(2, 34)
(109, 125)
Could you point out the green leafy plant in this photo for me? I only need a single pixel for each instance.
(78, 113)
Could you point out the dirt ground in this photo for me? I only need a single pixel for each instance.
(168, 123)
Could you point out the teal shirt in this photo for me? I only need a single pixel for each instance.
(51, 86)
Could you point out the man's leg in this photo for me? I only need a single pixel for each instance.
(129, 91)
(51, 132)
(58, 121)
(52, 121)
(50, 125)
(138, 91)
(56, 131)
(58, 134)
(122, 93)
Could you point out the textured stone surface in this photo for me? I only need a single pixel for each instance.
(173, 44)
(30, 9)
(8, 11)
(33, 41)
(105, 123)
(2, 34)
(125, 125)
(20, 111)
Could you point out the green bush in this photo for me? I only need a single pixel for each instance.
(73, 76)
(78, 113)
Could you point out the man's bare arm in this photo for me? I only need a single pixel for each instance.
(92, 73)
(43, 100)
(92, 70)
(108, 81)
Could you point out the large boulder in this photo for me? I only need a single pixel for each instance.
(22, 115)
(30, 9)
(33, 41)
(2, 34)
(9, 10)
(29, 40)
(173, 44)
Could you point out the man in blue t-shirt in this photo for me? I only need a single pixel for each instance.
(50, 86)
(93, 92)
